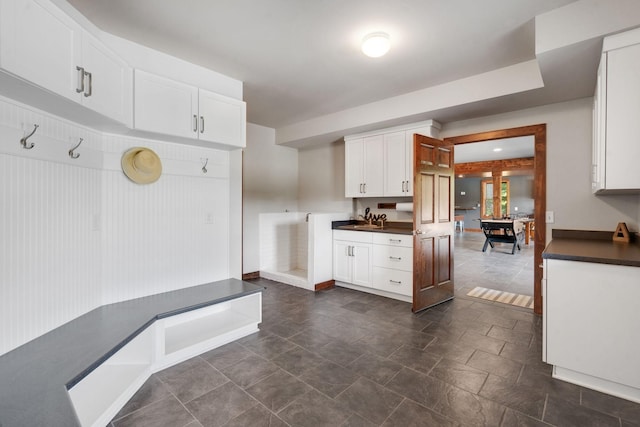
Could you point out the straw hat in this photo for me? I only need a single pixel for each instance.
(141, 165)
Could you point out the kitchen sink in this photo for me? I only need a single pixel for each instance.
(362, 227)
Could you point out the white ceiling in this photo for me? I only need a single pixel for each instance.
(300, 59)
(509, 148)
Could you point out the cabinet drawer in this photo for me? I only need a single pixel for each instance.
(405, 240)
(399, 258)
(390, 280)
(352, 236)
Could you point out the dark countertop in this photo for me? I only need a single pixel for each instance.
(34, 377)
(591, 246)
(393, 227)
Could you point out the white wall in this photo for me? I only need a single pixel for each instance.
(321, 179)
(569, 129)
(270, 184)
(76, 234)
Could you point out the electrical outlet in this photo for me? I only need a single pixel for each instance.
(549, 217)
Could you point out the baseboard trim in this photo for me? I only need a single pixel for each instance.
(252, 275)
(325, 285)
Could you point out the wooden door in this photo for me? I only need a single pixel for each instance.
(433, 222)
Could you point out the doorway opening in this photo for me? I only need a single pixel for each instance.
(538, 132)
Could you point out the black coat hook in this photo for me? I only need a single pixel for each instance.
(72, 154)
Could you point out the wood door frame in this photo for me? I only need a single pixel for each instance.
(539, 132)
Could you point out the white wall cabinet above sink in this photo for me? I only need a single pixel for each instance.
(364, 163)
(380, 163)
(42, 45)
(169, 107)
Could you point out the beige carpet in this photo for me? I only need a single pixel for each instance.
(500, 296)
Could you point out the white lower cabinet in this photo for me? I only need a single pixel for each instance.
(590, 325)
(380, 263)
(352, 257)
(393, 263)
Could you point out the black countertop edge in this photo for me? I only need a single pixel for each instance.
(34, 378)
(391, 227)
(558, 233)
(595, 260)
(592, 246)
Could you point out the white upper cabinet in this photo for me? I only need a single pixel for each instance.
(169, 107)
(108, 81)
(43, 46)
(165, 106)
(222, 119)
(616, 112)
(364, 162)
(398, 158)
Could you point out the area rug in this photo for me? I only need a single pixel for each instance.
(503, 297)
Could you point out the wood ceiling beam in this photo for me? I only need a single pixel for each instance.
(492, 166)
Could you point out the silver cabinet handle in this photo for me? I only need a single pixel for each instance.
(397, 258)
(395, 240)
(404, 186)
(351, 251)
(360, 188)
(195, 123)
(395, 281)
(87, 93)
(80, 85)
(364, 186)
(201, 124)
(419, 232)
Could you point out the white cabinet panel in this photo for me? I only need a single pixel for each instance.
(591, 324)
(396, 257)
(364, 163)
(41, 45)
(109, 80)
(623, 126)
(361, 264)
(352, 259)
(169, 107)
(165, 106)
(615, 114)
(222, 119)
(354, 170)
(396, 174)
(390, 280)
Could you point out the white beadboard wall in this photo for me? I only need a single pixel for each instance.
(283, 241)
(76, 233)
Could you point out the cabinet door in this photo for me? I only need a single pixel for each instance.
(408, 162)
(222, 119)
(342, 261)
(361, 264)
(41, 45)
(165, 106)
(373, 166)
(354, 163)
(599, 126)
(395, 164)
(108, 90)
(623, 126)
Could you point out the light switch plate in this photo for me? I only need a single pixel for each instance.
(549, 217)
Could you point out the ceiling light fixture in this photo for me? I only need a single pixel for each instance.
(376, 44)
(497, 149)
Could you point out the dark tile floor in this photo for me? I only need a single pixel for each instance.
(345, 358)
(496, 268)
